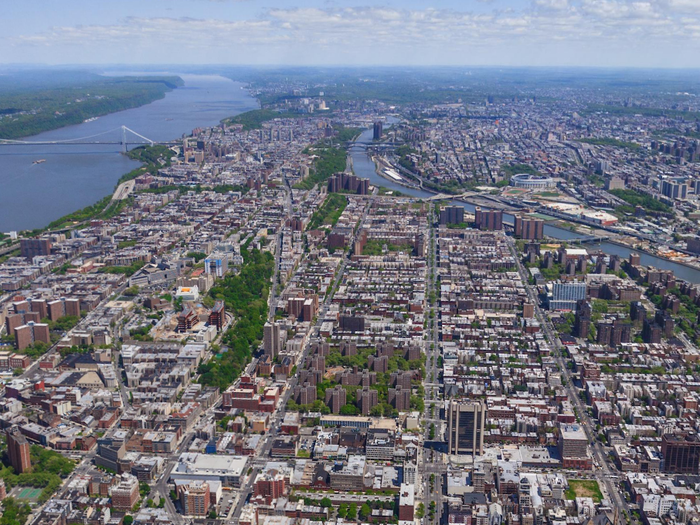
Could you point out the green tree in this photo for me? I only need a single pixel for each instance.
(197, 256)
(36, 350)
(352, 511)
(349, 410)
(131, 291)
(178, 304)
(365, 511)
(245, 295)
(14, 513)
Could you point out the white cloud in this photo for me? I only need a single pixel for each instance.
(555, 30)
(556, 5)
(690, 6)
(619, 9)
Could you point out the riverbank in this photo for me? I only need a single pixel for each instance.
(365, 167)
(152, 158)
(615, 239)
(76, 176)
(400, 180)
(651, 254)
(40, 110)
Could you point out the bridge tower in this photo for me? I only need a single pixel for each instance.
(124, 146)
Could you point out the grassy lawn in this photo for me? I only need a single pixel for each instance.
(547, 194)
(584, 488)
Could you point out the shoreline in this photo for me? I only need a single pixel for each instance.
(107, 173)
(94, 115)
(400, 182)
(108, 199)
(651, 254)
(378, 171)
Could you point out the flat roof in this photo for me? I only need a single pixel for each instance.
(218, 464)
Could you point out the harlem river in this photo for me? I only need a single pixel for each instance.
(365, 167)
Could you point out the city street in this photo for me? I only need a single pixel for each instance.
(603, 473)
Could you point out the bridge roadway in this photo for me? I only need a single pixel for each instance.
(91, 143)
(444, 196)
(589, 239)
(84, 140)
(371, 144)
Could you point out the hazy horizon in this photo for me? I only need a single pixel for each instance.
(192, 68)
(647, 34)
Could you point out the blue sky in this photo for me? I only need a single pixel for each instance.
(635, 33)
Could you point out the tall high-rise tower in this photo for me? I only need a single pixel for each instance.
(378, 130)
(18, 451)
(465, 431)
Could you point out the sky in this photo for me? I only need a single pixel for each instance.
(606, 33)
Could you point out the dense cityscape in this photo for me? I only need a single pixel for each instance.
(497, 323)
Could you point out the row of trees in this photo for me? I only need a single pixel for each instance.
(329, 212)
(245, 296)
(254, 119)
(330, 160)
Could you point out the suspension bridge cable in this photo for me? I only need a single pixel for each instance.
(64, 141)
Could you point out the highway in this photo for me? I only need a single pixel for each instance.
(123, 190)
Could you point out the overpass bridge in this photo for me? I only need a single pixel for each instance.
(465, 195)
(374, 145)
(588, 239)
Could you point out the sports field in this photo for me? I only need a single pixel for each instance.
(28, 493)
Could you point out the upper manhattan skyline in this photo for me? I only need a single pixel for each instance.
(608, 33)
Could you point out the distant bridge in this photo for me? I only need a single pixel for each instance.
(375, 145)
(124, 142)
(465, 195)
(483, 117)
(588, 239)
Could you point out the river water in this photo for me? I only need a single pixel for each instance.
(364, 167)
(32, 195)
(75, 176)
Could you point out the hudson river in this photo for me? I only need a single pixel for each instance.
(75, 176)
